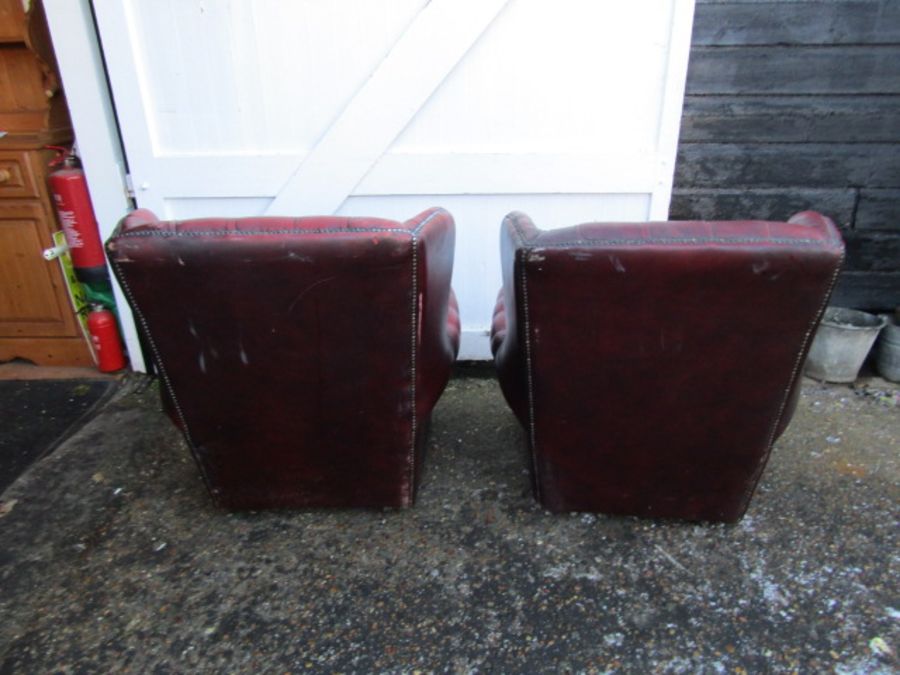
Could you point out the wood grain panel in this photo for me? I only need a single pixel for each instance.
(797, 23)
(791, 119)
(16, 176)
(33, 300)
(780, 165)
(21, 81)
(766, 204)
(794, 70)
(879, 210)
(58, 351)
(867, 290)
(12, 21)
(872, 251)
(795, 104)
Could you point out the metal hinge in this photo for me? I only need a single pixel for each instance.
(129, 186)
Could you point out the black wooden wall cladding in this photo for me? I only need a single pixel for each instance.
(792, 105)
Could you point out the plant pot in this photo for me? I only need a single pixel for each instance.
(842, 343)
(887, 358)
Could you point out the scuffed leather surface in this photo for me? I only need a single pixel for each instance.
(654, 364)
(300, 356)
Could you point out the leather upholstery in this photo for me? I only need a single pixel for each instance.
(653, 365)
(301, 357)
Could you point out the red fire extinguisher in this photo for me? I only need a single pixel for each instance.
(105, 338)
(73, 205)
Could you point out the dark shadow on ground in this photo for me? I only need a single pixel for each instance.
(37, 415)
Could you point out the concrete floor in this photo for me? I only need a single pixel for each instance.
(113, 559)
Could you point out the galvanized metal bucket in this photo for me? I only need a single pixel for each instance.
(888, 356)
(842, 343)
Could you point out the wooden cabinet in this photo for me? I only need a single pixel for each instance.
(37, 321)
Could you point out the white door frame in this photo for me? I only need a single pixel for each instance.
(78, 53)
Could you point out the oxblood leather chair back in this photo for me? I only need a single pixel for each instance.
(300, 357)
(654, 365)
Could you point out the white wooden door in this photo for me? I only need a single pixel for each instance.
(567, 110)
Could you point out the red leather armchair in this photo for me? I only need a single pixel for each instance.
(301, 357)
(653, 365)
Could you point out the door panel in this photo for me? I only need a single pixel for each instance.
(568, 110)
(33, 299)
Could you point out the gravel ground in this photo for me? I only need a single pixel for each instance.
(113, 559)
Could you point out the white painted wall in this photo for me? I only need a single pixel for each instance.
(568, 110)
